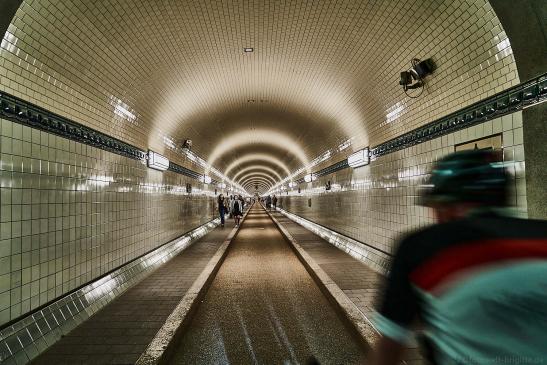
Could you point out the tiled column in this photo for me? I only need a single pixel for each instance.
(526, 27)
(525, 23)
(535, 132)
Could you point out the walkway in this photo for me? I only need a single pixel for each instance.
(120, 332)
(263, 307)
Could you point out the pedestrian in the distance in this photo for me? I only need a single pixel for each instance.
(236, 211)
(221, 209)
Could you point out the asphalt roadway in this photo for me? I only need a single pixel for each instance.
(264, 308)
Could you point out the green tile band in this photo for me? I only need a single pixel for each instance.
(503, 103)
(20, 111)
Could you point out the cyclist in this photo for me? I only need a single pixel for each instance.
(476, 281)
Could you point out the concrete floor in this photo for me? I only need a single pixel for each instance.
(263, 307)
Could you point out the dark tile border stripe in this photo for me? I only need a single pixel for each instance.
(184, 171)
(506, 102)
(23, 112)
(340, 165)
(503, 103)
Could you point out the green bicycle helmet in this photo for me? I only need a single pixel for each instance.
(473, 176)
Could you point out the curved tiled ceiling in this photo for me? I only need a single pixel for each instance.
(258, 158)
(256, 185)
(154, 73)
(254, 169)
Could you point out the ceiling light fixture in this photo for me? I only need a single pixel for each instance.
(248, 49)
(187, 144)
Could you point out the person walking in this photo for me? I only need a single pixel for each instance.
(236, 211)
(242, 202)
(269, 202)
(274, 201)
(221, 209)
(227, 206)
(231, 206)
(476, 280)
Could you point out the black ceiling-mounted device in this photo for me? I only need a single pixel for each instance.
(187, 144)
(413, 78)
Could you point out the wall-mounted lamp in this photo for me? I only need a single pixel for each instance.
(413, 78)
(187, 144)
(359, 158)
(157, 162)
(309, 178)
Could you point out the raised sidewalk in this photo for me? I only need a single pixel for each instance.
(120, 332)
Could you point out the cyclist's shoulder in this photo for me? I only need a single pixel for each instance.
(429, 233)
(472, 229)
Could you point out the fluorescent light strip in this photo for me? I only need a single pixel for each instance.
(207, 179)
(309, 178)
(157, 162)
(373, 258)
(359, 158)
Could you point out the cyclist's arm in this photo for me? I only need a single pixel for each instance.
(397, 311)
(387, 352)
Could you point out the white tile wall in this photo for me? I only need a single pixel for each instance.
(70, 213)
(375, 203)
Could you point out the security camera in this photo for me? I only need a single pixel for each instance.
(406, 78)
(423, 68)
(187, 144)
(413, 78)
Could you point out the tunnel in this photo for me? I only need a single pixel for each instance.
(320, 123)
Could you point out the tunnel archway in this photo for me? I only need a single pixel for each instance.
(263, 178)
(88, 88)
(155, 104)
(257, 168)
